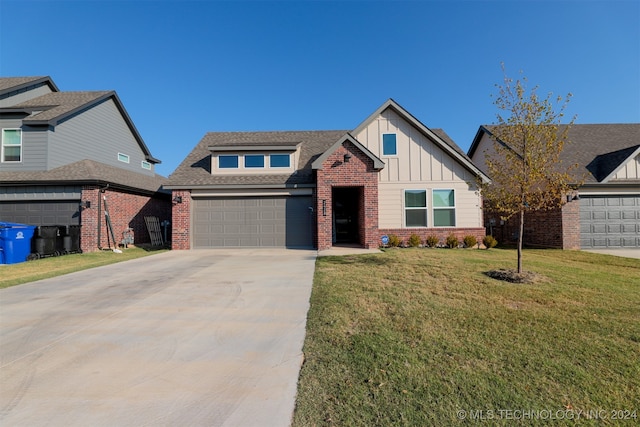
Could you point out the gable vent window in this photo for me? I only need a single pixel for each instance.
(123, 158)
(11, 145)
(145, 165)
(389, 145)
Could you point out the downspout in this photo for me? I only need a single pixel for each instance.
(102, 190)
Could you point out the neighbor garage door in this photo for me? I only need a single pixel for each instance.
(41, 212)
(252, 222)
(610, 222)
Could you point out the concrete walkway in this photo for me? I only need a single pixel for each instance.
(183, 338)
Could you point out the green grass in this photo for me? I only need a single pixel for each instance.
(412, 336)
(44, 268)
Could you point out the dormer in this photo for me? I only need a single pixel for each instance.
(249, 159)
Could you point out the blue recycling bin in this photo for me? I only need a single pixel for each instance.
(15, 242)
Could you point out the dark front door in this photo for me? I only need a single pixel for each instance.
(346, 202)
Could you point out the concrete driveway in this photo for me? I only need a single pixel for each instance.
(183, 338)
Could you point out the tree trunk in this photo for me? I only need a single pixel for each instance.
(520, 238)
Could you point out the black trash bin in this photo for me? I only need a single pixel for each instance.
(70, 238)
(47, 241)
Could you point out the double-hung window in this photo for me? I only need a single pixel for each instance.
(415, 208)
(11, 145)
(444, 208)
(389, 144)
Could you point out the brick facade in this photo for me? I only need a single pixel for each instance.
(357, 172)
(440, 233)
(181, 220)
(126, 210)
(557, 228)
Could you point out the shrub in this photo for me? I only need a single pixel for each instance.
(452, 241)
(489, 241)
(415, 240)
(394, 241)
(432, 241)
(470, 241)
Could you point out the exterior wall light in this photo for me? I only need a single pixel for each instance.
(177, 199)
(347, 157)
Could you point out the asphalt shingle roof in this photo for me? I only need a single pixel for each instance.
(86, 172)
(597, 149)
(58, 104)
(195, 170)
(7, 84)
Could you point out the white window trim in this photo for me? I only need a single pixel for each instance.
(244, 169)
(121, 156)
(145, 165)
(425, 208)
(264, 163)
(279, 167)
(2, 146)
(454, 207)
(382, 144)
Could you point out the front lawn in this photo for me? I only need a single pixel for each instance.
(422, 337)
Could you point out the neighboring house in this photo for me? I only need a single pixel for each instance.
(62, 152)
(605, 211)
(391, 175)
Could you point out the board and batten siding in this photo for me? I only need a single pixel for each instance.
(98, 133)
(631, 170)
(420, 164)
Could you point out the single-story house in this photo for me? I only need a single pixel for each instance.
(604, 212)
(62, 153)
(389, 175)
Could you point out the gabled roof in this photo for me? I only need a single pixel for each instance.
(599, 150)
(195, 170)
(86, 172)
(377, 163)
(11, 84)
(52, 108)
(440, 138)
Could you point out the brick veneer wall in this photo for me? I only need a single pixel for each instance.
(181, 221)
(126, 210)
(440, 233)
(358, 172)
(556, 228)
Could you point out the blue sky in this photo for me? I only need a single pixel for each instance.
(183, 68)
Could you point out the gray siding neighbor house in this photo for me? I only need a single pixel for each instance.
(605, 211)
(61, 153)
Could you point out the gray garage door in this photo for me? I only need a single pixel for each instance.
(610, 222)
(252, 222)
(41, 212)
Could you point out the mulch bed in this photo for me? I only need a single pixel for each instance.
(512, 276)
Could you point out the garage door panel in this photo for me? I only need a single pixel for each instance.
(65, 212)
(253, 222)
(610, 222)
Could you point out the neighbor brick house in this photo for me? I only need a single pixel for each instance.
(389, 175)
(605, 210)
(63, 152)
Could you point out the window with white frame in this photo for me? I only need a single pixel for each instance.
(228, 161)
(444, 208)
(279, 160)
(145, 165)
(415, 208)
(254, 160)
(123, 158)
(11, 145)
(389, 144)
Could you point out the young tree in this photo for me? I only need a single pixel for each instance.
(525, 167)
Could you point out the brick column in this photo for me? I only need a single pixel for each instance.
(181, 220)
